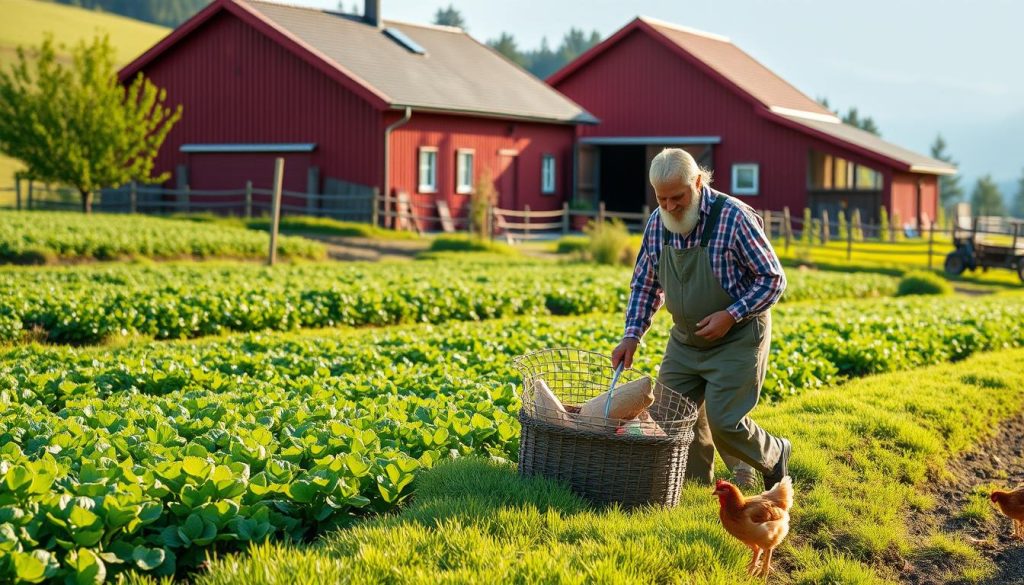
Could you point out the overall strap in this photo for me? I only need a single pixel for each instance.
(712, 221)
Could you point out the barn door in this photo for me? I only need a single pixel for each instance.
(588, 164)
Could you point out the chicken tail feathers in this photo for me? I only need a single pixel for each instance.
(782, 493)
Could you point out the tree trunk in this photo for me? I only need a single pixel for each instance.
(86, 201)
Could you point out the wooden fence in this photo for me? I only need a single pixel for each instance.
(247, 201)
(400, 212)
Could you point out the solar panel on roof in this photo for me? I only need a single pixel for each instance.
(403, 39)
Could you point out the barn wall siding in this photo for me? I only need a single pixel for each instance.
(238, 86)
(486, 138)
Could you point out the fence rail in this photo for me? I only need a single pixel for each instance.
(402, 212)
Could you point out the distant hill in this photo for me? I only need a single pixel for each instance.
(163, 12)
(26, 21)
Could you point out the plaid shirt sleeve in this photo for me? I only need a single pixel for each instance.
(752, 249)
(646, 295)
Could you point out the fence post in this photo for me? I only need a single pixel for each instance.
(600, 214)
(17, 192)
(248, 200)
(133, 198)
(275, 209)
(375, 207)
(30, 188)
(768, 222)
(526, 221)
(824, 227)
(565, 218)
(787, 226)
(183, 197)
(931, 242)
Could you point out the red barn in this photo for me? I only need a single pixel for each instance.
(654, 84)
(355, 103)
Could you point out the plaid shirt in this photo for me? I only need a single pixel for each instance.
(741, 257)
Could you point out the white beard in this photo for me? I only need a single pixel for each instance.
(689, 220)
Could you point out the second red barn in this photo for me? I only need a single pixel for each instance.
(654, 84)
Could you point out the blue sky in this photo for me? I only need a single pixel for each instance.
(917, 67)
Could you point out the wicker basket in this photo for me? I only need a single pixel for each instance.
(600, 464)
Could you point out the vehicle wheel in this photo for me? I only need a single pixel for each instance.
(955, 264)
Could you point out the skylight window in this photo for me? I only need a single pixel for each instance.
(403, 39)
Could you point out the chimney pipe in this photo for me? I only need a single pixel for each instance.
(371, 12)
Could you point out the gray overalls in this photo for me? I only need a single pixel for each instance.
(723, 377)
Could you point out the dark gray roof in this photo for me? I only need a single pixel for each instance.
(456, 74)
(917, 163)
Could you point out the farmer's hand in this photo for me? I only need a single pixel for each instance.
(715, 325)
(624, 351)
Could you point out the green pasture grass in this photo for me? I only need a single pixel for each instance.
(861, 458)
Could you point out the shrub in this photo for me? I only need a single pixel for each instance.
(923, 283)
(458, 243)
(572, 245)
(609, 242)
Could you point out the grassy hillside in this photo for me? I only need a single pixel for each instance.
(26, 21)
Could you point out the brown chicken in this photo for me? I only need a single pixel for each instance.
(760, 522)
(1012, 504)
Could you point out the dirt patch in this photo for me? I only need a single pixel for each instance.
(368, 249)
(961, 500)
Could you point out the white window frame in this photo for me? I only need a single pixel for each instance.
(431, 185)
(755, 189)
(548, 175)
(462, 187)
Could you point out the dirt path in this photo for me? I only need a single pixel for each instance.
(368, 249)
(997, 462)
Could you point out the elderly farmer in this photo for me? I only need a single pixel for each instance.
(705, 256)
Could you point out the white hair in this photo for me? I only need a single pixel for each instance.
(673, 163)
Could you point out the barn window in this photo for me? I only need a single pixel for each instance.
(464, 171)
(745, 179)
(428, 169)
(547, 174)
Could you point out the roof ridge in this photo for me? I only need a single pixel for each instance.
(685, 29)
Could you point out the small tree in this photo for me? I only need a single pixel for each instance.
(483, 197)
(856, 225)
(883, 224)
(78, 125)
(842, 229)
(986, 198)
(1018, 200)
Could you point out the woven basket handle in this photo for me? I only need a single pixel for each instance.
(611, 389)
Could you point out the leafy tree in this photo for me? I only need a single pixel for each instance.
(950, 191)
(78, 125)
(450, 17)
(986, 198)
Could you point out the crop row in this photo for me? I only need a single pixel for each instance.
(41, 237)
(88, 304)
(148, 457)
